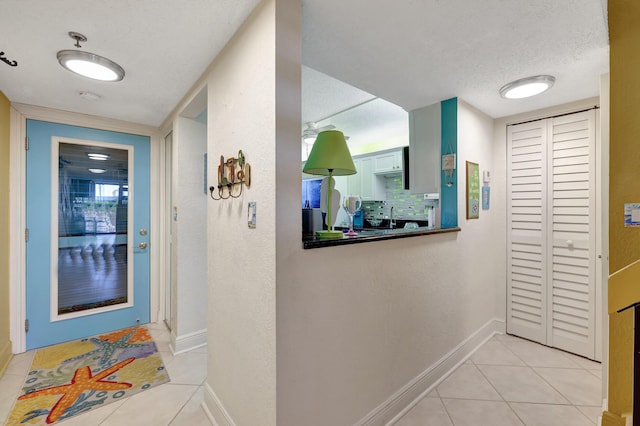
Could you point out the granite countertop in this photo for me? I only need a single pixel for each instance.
(369, 235)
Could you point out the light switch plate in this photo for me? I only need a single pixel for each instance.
(251, 214)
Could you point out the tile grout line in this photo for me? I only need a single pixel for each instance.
(498, 392)
(447, 411)
(535, 372)
(567, 398)
(195, 391)
(575, 366)
(490, 384)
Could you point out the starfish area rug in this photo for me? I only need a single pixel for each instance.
(74, 377)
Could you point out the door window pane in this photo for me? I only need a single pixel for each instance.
(92, 227)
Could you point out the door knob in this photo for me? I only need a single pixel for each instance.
(142, 245)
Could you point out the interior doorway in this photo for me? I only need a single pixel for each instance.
(186, 202)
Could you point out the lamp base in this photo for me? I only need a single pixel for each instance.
(329, 235)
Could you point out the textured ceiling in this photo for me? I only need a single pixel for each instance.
(163, 45)
(412, 53)
(417, 52)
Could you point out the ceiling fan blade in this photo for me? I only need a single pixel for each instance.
(327, 127)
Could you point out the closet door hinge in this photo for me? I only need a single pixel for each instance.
(26, 235)
(26, 326)
(26, 143)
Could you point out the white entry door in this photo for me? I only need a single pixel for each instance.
(552, 218)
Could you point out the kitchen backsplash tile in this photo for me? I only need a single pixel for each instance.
(406, 205)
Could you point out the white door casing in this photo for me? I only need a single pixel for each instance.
(17, 281)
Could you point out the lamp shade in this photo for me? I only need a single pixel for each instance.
(330, 155)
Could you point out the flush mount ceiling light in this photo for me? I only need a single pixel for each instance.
(89, 64)
(96, 156)
(526, 87)
(97, 171)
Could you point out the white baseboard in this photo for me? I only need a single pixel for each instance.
(605, 407)
(214, 409)
(410, 394)
(188, 342)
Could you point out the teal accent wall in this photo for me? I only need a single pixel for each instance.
(449, 194)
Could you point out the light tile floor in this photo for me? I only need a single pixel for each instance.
(511, 381)
(508, 381)
(176, 403)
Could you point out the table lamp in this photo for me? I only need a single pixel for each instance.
(330, 156)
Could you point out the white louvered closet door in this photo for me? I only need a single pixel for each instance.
(571, 313)
(526, 236)
(551, 236)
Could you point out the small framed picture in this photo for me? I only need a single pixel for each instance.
(473, 190)
(486, 197)
(448, 162)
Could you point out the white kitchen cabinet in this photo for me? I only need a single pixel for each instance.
(425, 140)
(365, 183)
(389, 162)
(367, 179)
(360, 183)
(354, 182)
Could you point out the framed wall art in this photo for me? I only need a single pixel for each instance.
(473, 190)
(486, 197)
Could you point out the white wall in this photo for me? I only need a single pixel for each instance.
(477, 143)
(242, 114)
(362, 329)
(358, 323)
(190, 239)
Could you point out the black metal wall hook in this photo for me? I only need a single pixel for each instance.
(221, 192)
(8, 62)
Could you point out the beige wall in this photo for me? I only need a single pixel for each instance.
(5, 343)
